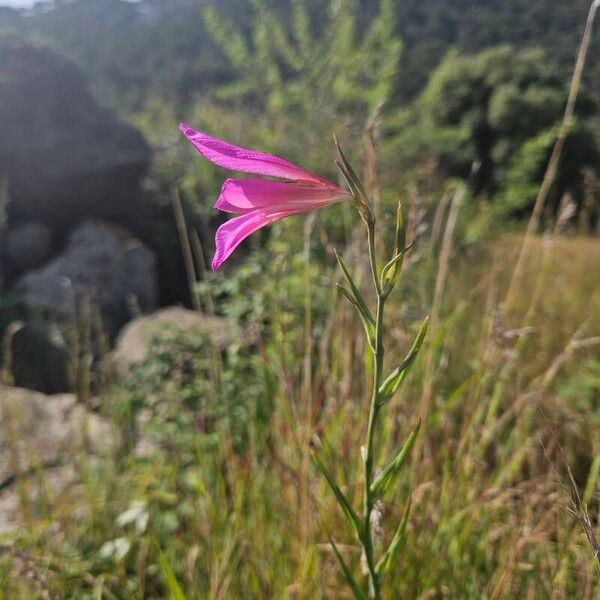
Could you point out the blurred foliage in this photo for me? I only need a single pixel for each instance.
(282, 76)
(298, 71)
(527, 166)
(430, 27)
(160, 47)
(295, 84)
(176, 393)
(480, 110)
(192, 509)
(492, 119)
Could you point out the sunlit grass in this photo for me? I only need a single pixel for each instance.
(508, 401)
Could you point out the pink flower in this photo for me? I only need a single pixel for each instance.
(259, 202)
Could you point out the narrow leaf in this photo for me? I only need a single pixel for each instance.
(389, 272)
(349, 181)
(369, 327)
(358, 593)
(364, 309)
(383, 481)
(349, 513)
(390, 386)
(349, 171)
(360, 200)
(389, 557)
(357, 298)
(400, 241)
(363, 205)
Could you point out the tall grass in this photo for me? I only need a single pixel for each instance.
(513, 399)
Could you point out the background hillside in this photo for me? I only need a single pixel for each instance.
(131, 51)
(161, 61)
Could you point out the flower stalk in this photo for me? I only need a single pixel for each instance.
(368, 496)
(383, 389)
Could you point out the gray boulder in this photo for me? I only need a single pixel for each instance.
(29, 245)
(103, 265)
(40, 439)
(64, 157)
(40, 357)
(135, 339)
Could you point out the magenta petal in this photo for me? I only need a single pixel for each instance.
(232, 233)
(240, 196)
(229, 156)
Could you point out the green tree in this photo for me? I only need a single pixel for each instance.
(429, 27)
(497, 110)
(527, 166)
(305, 77)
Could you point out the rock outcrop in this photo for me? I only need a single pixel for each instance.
(102, 263)
(72, 218)
(40, 439)
(29, 245)
(134, 341)
(64, 157)
(40, 356)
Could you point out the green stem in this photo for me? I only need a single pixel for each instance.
(368, 500)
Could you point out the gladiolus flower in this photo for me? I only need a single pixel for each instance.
(259, 202)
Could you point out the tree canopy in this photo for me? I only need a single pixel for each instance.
(496, 112)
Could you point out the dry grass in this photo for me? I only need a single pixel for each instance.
(512, 400)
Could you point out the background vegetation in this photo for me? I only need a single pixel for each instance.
(453, 108)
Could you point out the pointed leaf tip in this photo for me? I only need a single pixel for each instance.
(358, 298)
(344, 503)
(356, 590)
(385, 479)
(394, 380)
(386, 562)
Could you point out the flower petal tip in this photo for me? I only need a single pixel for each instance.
(188, 132)
(222, 202)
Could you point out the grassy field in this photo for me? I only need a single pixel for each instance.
(205, 485)
(509, 399)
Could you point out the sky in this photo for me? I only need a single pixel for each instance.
(24, 3)
(18, 3)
